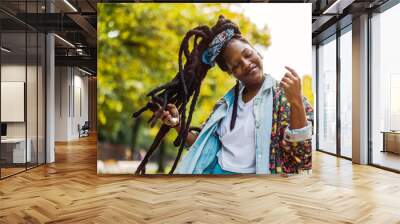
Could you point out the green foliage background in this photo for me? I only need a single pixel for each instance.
(138, 50)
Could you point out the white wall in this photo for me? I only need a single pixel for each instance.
(80, 115)
(12, 73)
(71, 94)
(61, 103)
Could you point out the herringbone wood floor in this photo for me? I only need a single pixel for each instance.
(70, 191)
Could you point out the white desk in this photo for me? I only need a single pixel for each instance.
(18, 150)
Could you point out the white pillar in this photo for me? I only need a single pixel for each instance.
(50, 94)
(360, 89)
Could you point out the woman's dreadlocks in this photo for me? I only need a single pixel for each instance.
(186, 85)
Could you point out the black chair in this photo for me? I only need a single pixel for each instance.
(84, 130)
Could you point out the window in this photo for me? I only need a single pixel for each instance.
(385, 88)
(327, 96)
(346, 93)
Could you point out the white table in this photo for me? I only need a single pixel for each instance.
(18, 149)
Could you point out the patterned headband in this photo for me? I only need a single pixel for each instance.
(215, 46)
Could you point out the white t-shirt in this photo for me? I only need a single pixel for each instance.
(238, 152)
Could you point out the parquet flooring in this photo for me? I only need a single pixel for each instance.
(70, 191)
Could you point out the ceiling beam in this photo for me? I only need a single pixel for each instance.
(86, 27)
(81, 61)
(337, 6)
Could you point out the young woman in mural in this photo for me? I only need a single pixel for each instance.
(260, 126)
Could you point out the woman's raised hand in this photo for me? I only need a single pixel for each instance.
(170, 116)
(291, 83)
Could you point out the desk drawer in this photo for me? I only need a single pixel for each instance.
(392, 142)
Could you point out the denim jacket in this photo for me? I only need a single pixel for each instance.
(278, 149)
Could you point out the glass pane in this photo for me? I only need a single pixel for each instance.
(14, 153)
(327, 96)
(346, 94)
(386, 89)
(31, 97)
(41, 98)
(22, 88)
(32, 86)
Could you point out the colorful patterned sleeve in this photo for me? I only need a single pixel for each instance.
(301, 134)
(297, 155)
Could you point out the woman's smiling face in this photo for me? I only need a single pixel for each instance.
(243, 62)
